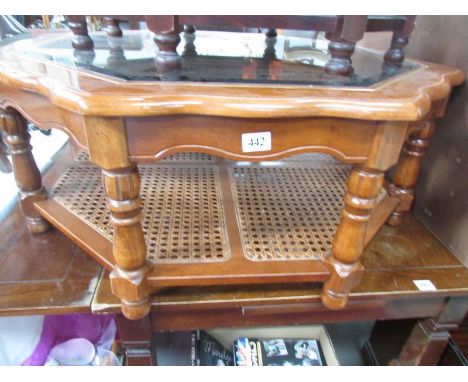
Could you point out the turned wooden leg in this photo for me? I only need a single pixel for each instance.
(189, 29)
(108, 148)
(128, 279)
(27, 175)
(270, 44)
(136, 337)
(166, 31)
(395, 56)
(190, 49)
(79, 27)
(430, 336)
(113, 27)
(340, 61)
(408, 168)
(271, 33)
(364, 185)
(116, 56)
(342, 43)
(167, 57)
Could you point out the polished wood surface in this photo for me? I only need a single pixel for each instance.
(43, 274)
(349, 142)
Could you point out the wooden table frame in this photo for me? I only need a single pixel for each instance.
(114, 120)
(386, 292)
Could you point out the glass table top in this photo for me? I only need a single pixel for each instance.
(213, 57)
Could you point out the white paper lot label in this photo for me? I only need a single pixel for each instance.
(424, 285)
(253, 142)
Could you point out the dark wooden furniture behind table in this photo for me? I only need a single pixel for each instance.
(342, 31)
(126, 114)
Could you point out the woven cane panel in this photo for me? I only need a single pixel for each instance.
(183, 216)
(288, 213)
(82, 156)
(312, 159)
(189, 157)
(179, 157)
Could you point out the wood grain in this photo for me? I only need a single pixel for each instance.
(27, 174)
(43, 274)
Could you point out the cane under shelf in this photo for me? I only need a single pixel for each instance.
(233, 220)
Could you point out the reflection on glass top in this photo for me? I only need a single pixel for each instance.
(215, 57)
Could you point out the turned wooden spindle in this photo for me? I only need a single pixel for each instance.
(407, 172)
(167, 57)
(190, 50)
(108, 148)
(271, 33)
(341, 52)
(85, 57)
(342, 43)
(395, 56)
(116, 56)
(79, 27)
(166, 31)
(128, 279)
(189, 29)
(27, 174)
(270, 44)
(113, 27)
(364, 185)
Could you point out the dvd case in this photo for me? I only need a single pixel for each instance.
(207, 351)
(277, 352)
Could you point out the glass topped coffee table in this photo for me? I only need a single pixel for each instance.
(269, 170)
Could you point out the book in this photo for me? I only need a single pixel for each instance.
(277, 352)
(207, 351)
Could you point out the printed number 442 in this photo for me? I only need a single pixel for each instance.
(252, 142)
